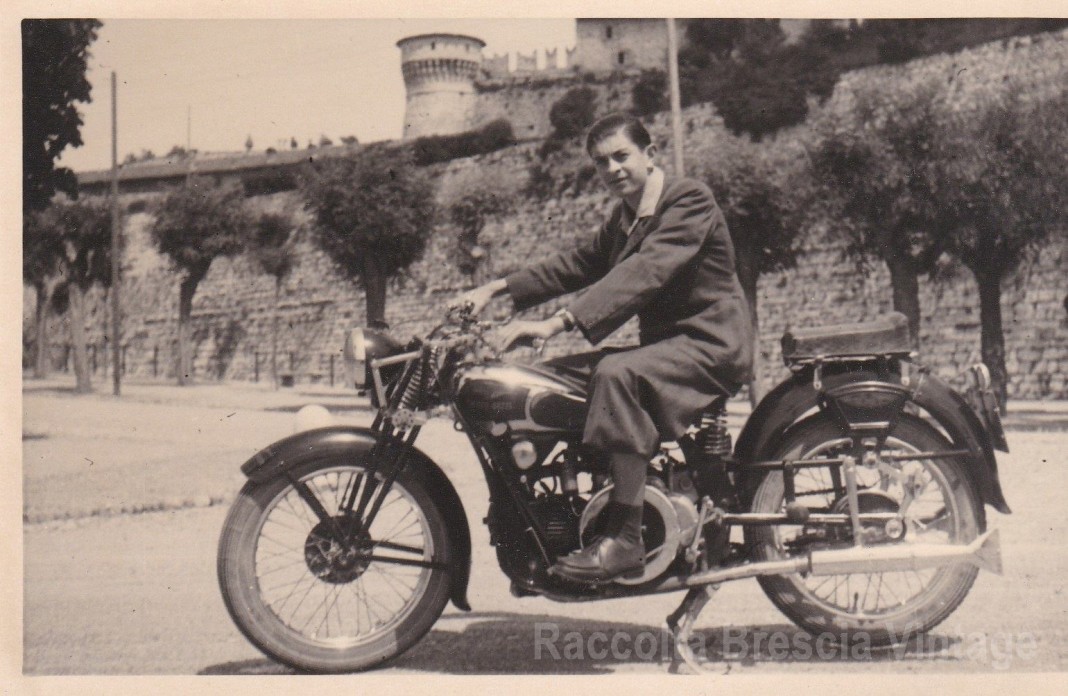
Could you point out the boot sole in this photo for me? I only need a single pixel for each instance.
(633, 574)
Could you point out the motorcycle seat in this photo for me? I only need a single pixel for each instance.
(886, 335)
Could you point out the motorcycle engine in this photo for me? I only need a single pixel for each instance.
(558, 515)
(669, 525)
(560, 520)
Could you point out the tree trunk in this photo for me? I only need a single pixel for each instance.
(185, 310)
(274, 332)
(906, 293)
(992, 339)
(42, 356)
(748, 277)
(374, 282)
(76, 315)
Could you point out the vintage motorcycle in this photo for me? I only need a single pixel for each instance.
(855, 492)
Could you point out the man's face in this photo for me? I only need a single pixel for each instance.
(623, 166)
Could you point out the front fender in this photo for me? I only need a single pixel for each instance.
(796, 396)
(353, 442)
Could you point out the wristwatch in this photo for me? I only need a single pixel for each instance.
(568, 319)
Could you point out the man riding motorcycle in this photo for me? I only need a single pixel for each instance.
(665, 255)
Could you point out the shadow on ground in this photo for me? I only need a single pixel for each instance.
(506, 643)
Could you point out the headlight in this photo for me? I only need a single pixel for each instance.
(355, 355)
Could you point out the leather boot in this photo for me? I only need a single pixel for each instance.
(619, 553)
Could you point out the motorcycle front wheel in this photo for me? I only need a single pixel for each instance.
(937, 502)
(312, 588)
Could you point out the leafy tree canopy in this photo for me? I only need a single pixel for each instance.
(272, 244)
(650, 93)
(76, 235)
(42, 248)
(876, 162)
(757, 81)
(200, 221)
(54, 60)
(573, 113)
(1002, 174)
(374, 202)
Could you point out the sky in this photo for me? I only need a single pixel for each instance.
(215, 83)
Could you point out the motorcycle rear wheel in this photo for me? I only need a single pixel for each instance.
(310, 598)
(874, 608)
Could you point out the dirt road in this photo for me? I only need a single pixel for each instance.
(129, 498)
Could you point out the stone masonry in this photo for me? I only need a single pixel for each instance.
(234, 306)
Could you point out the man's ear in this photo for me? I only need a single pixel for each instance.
(650, 150)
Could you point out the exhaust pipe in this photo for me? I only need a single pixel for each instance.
(983, 553)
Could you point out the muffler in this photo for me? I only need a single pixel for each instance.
(983, 553)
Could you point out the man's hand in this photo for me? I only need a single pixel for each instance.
(517, 330)
(480, 296)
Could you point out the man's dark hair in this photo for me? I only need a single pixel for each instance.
(629, 125)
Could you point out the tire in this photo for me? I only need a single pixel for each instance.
(946, 510)
(338, 614)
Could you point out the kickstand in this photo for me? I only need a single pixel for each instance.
(680, 622)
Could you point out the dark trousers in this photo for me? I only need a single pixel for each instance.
(642, 395)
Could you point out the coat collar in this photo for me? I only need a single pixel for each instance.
(651, 194)
(646, 209)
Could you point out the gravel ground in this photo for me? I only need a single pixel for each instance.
(124, 500)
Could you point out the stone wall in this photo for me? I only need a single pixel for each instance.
(234, 305)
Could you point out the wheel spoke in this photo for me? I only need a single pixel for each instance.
(330, 580)
(308, 497)
(397, 547)
(284, 566)
(374, 558)
(916, 489)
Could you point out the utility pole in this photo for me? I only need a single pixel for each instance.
(116, 260)
(676, 100)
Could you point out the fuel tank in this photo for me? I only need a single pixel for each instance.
(526, 398)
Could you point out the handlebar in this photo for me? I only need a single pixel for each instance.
(461, 329)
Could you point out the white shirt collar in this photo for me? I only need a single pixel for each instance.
(654, 186)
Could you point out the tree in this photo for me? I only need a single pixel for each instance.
(761, 202)
(875, 163)
(145, 156)
(195, 224)
(375, 212)
(54, 58)
(573, 113)
(758, 83)
(42, 251)
(1001, 176)
(83, 233)
(470, 213)
(650, 93)
(272, 250)
(179, 153)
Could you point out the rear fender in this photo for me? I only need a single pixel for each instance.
(352, 442)
(796, 396)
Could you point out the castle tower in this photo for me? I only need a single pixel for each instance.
(604, 45)
(439, 76)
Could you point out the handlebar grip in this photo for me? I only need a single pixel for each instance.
(525, 342)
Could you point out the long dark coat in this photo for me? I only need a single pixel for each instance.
(676, 273)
